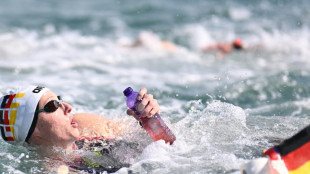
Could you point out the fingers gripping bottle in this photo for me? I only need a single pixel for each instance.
(154, 126)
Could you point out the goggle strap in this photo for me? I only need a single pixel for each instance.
(33, 124)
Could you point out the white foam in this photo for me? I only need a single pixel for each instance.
(239, 14)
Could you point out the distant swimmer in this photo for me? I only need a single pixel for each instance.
(152, 42)
(224, 48)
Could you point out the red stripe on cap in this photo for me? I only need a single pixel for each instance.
(6, 120)
(8, 104)
(10, 139)
(6, 113)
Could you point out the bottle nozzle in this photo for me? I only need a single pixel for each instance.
(127, 91)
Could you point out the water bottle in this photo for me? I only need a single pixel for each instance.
(154, 126)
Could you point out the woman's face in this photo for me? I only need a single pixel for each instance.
(56, 128)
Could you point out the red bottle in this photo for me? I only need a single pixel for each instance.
(155, 126)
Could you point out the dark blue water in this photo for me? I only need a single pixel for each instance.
(224, 112)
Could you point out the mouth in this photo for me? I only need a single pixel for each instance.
(74, 124)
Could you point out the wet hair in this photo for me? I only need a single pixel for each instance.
(237, 47)
(237, 44)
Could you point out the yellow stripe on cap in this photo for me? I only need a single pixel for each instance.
(18, 95)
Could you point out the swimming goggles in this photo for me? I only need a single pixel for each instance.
(51, 106)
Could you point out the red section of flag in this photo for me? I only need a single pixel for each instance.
(273, 155)
(298, 157)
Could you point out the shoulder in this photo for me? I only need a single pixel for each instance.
(93, 125)
(87, 121)
(86, 117)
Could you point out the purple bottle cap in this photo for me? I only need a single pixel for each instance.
(127, 91)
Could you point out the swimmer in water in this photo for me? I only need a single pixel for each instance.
(152, 42)
(224, 48)
(37, 116)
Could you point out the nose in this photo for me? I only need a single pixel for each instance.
(67, 108)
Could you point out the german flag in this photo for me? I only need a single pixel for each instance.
(295, 152)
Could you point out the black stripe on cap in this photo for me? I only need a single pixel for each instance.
(2, 106)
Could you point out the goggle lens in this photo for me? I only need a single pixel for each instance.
(51, 106)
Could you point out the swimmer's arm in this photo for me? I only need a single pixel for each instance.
(93, 125)
(169, 46)
(252, 46)
(210, 48)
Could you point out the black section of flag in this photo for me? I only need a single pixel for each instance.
(294, 142)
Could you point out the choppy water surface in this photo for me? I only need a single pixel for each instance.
(224, 112)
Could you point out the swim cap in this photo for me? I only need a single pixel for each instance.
(17, 113)
(237, 43)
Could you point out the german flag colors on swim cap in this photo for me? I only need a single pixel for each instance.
(17, 113)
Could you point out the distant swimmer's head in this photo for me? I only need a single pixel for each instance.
(237, 44)
(18, 115)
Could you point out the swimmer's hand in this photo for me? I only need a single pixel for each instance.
(148, 106)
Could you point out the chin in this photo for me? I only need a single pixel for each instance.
(76, 133)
